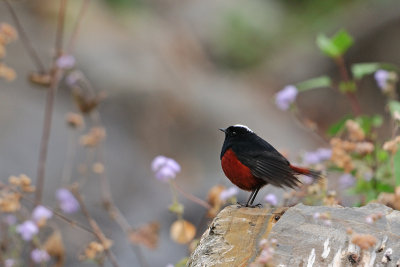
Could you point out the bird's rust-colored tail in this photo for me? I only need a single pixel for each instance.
(309, 172)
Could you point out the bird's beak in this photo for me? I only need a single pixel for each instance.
(222, 129)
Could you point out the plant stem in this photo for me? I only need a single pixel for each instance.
(60, 29)
(44, 143)
(25, 40)
(96, 229)
(355, 105)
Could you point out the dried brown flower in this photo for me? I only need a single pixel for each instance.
(355, 131)
(74, 120)
(214, 200)
(42, 79)
(182, 231)
(94, 137)
(7, 73)
(9, 201)
(55, 247)
(8, 33)
(146, 235)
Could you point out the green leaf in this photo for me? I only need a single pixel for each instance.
(382, 187)
(367, 122)
(347, 87)
(343, 41)
(337, 45)
(396, 162)
(322, 81)
(176, 208)
(338, 127)
(326, 46)
(360, 70)
(382, 155)
(394, 106)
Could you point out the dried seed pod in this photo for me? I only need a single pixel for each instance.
(182, 231)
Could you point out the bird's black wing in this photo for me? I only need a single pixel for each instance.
(269, 166)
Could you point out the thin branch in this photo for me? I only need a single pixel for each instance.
(96, 229)
(75, 31)
(60, 29)
(25, 40)
(191, 197)
(44, 143)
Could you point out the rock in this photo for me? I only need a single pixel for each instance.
(302, 236)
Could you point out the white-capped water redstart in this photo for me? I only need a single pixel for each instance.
(250, 162)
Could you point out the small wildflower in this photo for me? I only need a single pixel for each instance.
(9, 263)
(373, 217)
(346, 180)
(27, 230)
(316, 215)
(286, 97)
(381, 78)
(165, 168)
(169, 265)
(66, 62)
(317, 156)
(67, 201)
(271, 199)
(39, 256)
(40, 214)
(368, 175)
(228, 193)
(73, 78)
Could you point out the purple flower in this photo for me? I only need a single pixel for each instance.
(39, 256)
(271, 199)
(66, 62)
(73, 78)
(317, 156)
(165, 168)
(9, 263)
(67, 201)
(27, 230)
(381, 78)
(41, 213)
(228, 193)
(346, 180)
(286, 97)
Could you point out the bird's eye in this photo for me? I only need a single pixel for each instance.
(234, 133)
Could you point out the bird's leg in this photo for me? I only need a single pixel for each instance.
(247, 203)
(252, 198)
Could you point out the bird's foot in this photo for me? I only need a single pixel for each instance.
(259, 205)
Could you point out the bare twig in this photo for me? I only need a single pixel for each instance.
(51, 93)
(96, 229)
(25, 40)
(60, 29)
(191, 197)
(75, 31)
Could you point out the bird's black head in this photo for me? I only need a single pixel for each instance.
(237, 135)
(237, 131)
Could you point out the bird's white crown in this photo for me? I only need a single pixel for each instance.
(244, 126)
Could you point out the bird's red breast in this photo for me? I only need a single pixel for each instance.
(238, 173)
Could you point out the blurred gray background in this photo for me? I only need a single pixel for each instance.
(175, 72)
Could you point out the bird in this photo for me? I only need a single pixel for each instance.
(250, 163)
